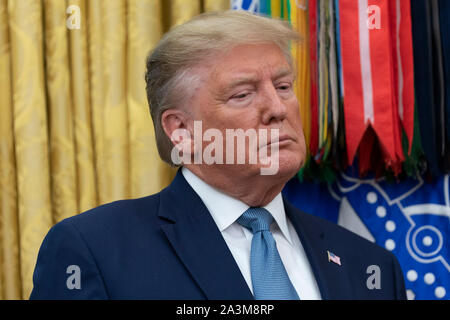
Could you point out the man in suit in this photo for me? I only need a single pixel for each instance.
(222, 229)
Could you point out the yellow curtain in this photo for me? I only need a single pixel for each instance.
(303, 67)
(75, 129)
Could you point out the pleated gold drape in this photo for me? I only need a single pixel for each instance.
(75, 130)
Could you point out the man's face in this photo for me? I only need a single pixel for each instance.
(251, 87)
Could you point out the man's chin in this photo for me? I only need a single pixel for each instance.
(283, 168)
(288, 170)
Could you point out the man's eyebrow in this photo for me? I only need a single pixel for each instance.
(283, 73)
(253, 79)
(241, 80)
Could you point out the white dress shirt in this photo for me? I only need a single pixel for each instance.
(225, 210)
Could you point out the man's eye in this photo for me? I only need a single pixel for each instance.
(284, 87)
(240, 96)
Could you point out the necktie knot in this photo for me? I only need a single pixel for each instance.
(256, 219)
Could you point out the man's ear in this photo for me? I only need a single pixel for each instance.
(176, 125)
(171, 120)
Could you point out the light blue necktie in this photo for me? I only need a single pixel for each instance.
(269, 277)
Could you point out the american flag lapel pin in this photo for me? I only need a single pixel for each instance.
(333, 258)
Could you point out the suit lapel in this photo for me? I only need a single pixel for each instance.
(198, 243)
(332, 279)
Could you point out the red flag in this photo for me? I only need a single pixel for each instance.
(377, 70)
(314, 134)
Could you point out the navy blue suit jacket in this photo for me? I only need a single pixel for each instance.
(167, 246)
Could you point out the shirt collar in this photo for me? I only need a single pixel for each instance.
(225, 210)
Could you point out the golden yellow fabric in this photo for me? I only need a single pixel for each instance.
(75, 129)
(85, 167)
(10, 287)
(275, 9)
(31, 140)
(182, 10)
(216, 5)
(94, 24)
(295, 47)
(59, 105)
(300, 52)
(115, 126)
(300, 16)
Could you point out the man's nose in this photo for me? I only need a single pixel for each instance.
(274, 108)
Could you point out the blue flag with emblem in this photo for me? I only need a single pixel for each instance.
(411, 219)
(248, 5)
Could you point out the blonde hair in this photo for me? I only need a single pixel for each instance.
(169, 75)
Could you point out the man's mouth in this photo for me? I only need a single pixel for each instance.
(281, 141)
